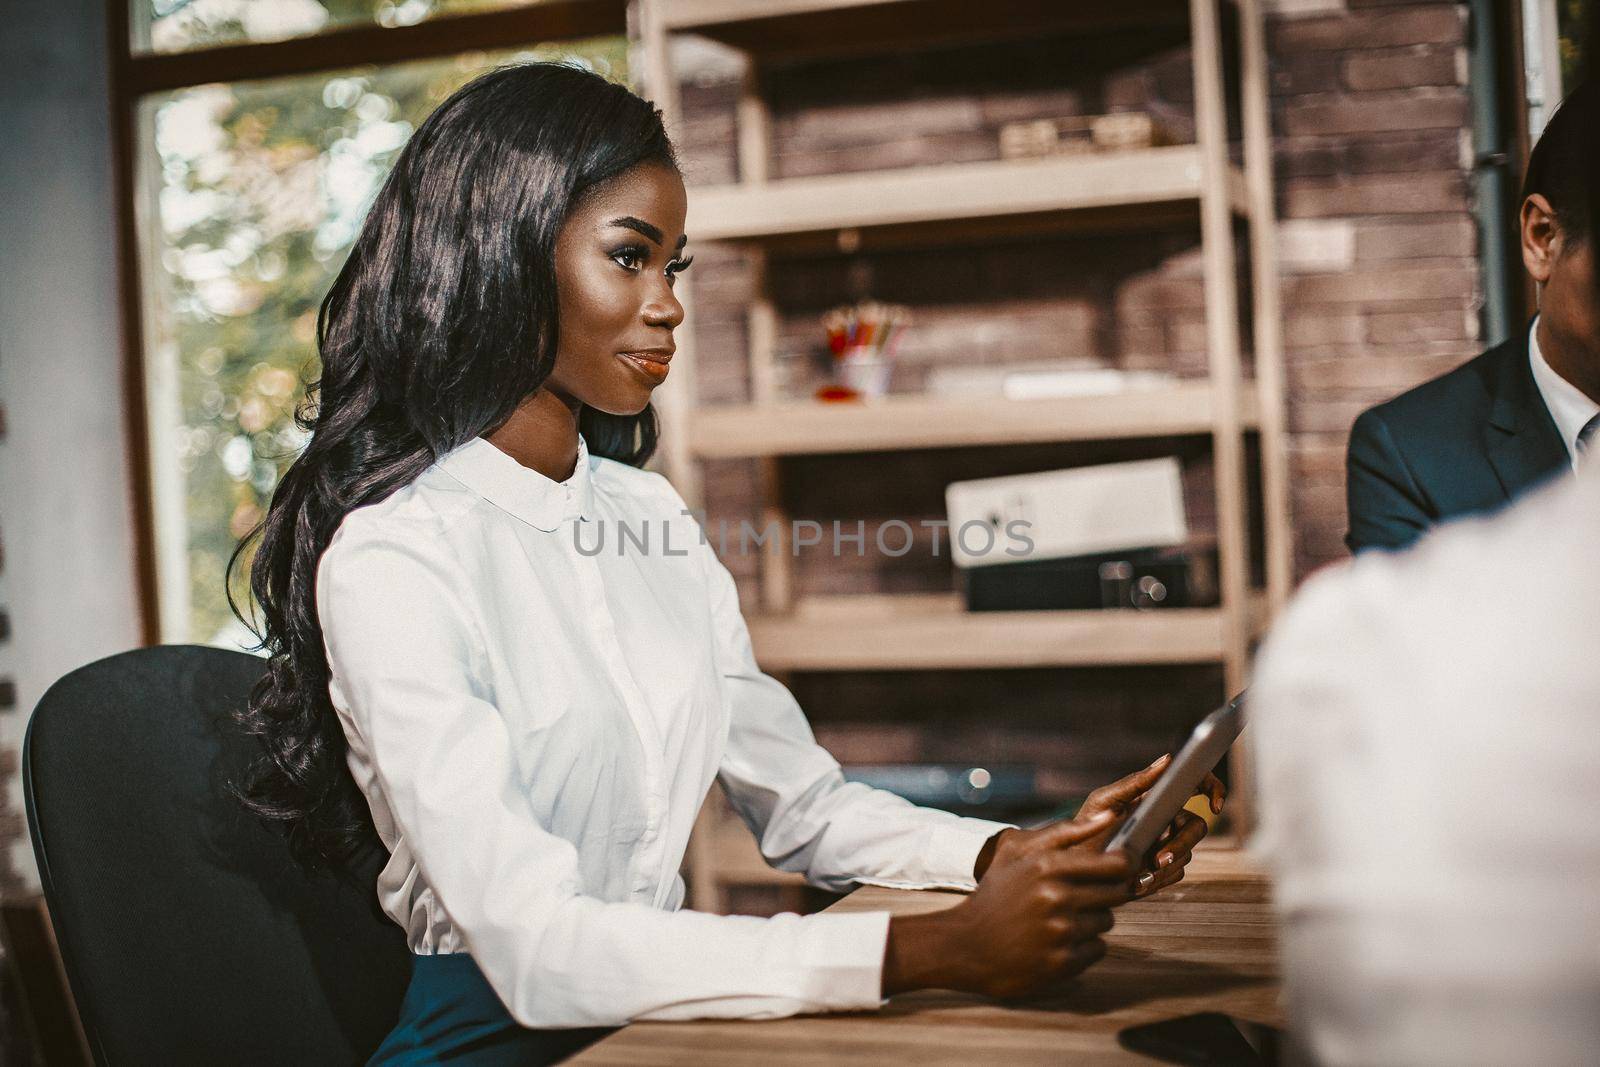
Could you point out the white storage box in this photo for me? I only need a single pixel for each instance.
(1075, 512)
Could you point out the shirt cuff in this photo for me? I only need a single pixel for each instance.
(951, 853)
(844, 961)
(955, 849)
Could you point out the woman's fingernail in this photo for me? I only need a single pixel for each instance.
(1164, 860)
(1216, 805)
(1159, 760)
(1146, 880)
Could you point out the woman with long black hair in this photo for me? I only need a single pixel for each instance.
(502, 648)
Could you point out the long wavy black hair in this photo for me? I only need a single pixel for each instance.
(442, 320)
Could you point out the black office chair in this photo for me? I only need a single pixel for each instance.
(188, 934)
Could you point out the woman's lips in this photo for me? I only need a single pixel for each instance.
(652, 366)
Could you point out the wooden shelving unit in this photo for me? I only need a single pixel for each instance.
(953, 192)
(935, 632)
(1148, 187)
(896, 423)
(787, 29)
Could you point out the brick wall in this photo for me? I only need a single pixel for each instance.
(1371, 113)
(1370, 117)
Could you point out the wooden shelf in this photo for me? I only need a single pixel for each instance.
(906, 422)
(935, 632)
(798, 28)
(951, 192)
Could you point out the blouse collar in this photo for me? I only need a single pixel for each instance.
(521, 491)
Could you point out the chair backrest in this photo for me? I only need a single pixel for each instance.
(187, 932)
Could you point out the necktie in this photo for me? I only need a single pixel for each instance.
(1586, 435)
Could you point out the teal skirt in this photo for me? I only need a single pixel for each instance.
(452, 1015)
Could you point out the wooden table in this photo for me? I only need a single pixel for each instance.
(1206, 944)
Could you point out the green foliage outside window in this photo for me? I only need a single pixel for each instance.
(1575, 20)
(260, 188)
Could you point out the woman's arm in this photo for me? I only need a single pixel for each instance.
(401, 646)
(792, 794)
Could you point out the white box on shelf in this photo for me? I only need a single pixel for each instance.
(1035, 385)
(1041, 379)
(1074, 512)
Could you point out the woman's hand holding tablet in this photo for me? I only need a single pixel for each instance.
(1036, 918)
(1163, 864)
(1156, 831)
(1170, 843)
(1045, 895)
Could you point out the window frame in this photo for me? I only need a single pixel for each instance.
(135, 75)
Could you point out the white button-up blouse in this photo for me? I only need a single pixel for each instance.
(538, 682)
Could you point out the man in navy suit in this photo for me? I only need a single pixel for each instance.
(1478, 437)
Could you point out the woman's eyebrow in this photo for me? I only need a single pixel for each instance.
(638, 225)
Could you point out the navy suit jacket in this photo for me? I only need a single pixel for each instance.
(1467, 442)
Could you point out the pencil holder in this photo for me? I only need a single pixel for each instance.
(863, 369)
(862, 338)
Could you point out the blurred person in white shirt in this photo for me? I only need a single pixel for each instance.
(1428, 734)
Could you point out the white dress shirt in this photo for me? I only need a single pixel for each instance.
(1427, 733)
(1569, 406)
(536, 708)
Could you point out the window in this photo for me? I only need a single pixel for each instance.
(248, 196)
(181, 25)
(1555, 35)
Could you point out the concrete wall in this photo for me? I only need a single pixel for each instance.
(65, 513)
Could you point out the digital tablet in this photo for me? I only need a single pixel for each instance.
(1202, 752)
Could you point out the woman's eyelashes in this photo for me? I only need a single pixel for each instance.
(629, 257)
(634, 258)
